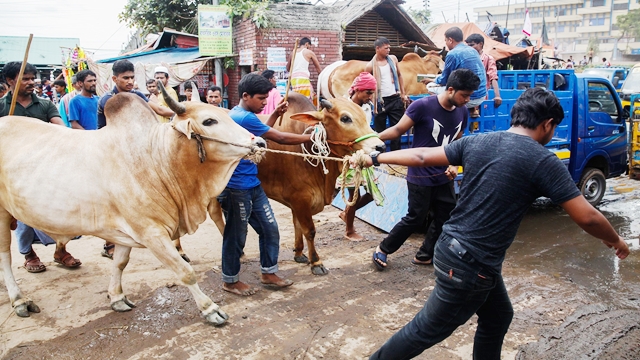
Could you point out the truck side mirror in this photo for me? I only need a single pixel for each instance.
(615, 81)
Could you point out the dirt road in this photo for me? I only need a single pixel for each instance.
(347, 314)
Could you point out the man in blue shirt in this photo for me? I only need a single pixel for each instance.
(243, 201)
(83, 109)
(462, 56)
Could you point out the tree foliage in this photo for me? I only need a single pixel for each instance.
(154, 15)
(629, 24)
(422, 17)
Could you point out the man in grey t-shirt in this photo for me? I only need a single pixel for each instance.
(515, 169)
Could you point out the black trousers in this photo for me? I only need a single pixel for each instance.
(393, 109)
(440, 200)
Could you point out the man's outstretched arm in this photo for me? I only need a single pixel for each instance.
(424, 156)
(593, 222)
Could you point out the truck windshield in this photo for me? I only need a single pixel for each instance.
(632, 83)
(605, 73)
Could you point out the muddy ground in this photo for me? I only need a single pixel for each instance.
(572, 299)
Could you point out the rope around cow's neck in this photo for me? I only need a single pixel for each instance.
(258, 153)
(319, 146)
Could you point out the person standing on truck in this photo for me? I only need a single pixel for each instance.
(462, 56)
(591, 56)
(436, 121)
(470, 252)
(476, 41)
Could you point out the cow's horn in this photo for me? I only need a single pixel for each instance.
(177, 108)
(326, 104)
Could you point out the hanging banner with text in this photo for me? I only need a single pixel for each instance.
(214, 31)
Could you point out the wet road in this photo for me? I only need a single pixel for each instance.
(550, 242)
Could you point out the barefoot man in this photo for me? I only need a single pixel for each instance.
(243, 201)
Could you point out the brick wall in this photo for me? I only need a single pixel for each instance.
(326, 46)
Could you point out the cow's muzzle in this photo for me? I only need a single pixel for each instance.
(259, 142)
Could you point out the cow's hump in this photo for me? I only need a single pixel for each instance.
(411, 57)
(127, 109)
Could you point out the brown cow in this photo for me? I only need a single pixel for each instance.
(292, 181)
(335, 80)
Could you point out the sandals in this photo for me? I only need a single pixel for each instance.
(379, 256)
(416, 261)
(107, 251)
(67, 261)
(33, 264)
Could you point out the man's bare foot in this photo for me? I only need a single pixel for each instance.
(343, 216)
(275, 280)
(239, 288)
(354, 236)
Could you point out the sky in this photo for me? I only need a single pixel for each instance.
(95, 22)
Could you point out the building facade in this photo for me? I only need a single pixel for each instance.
(570, 26)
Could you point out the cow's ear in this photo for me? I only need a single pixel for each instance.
(309, 117)
(184, 126)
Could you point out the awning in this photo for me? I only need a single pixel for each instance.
(167, 55)
(183, 64)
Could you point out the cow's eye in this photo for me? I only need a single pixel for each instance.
(209, 122)
(345, 119)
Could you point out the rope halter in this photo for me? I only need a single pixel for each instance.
(320, 145)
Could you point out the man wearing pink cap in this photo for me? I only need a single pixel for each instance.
(361, 92)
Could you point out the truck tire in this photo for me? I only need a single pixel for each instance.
(592, 185)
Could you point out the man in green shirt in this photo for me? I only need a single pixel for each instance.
(28, 104)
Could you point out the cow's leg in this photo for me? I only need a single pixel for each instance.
(305, 220)
(215, 212)
(21, 305)
(298, 255)
(119, 301)
(169, 256)
(178, 246)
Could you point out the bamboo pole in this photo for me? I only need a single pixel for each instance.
(293, 59)
(16, 87)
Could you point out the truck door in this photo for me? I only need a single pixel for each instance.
(605, 128)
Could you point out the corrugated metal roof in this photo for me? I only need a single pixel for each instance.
(43, 51)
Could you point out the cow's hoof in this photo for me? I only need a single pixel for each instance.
(122, 305)
(32, 307)
(22, 310)
(319, 270)
(217, 318)
(185, 257)
(302, 259)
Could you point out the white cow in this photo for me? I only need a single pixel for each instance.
(136, 183)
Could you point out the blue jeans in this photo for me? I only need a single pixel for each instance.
(242, 207)
(463, 288)
(26, 236)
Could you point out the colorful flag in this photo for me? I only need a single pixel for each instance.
(527, 28)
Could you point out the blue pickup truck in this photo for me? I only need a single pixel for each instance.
(591, 140)
(617, 76)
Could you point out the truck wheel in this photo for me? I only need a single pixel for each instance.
(592, 185)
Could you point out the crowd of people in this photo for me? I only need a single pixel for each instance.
(467, 258)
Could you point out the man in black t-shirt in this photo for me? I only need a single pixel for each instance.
(514, 169)
(436, 121)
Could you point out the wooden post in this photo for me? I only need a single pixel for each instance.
(293, 59)
(14, 98)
